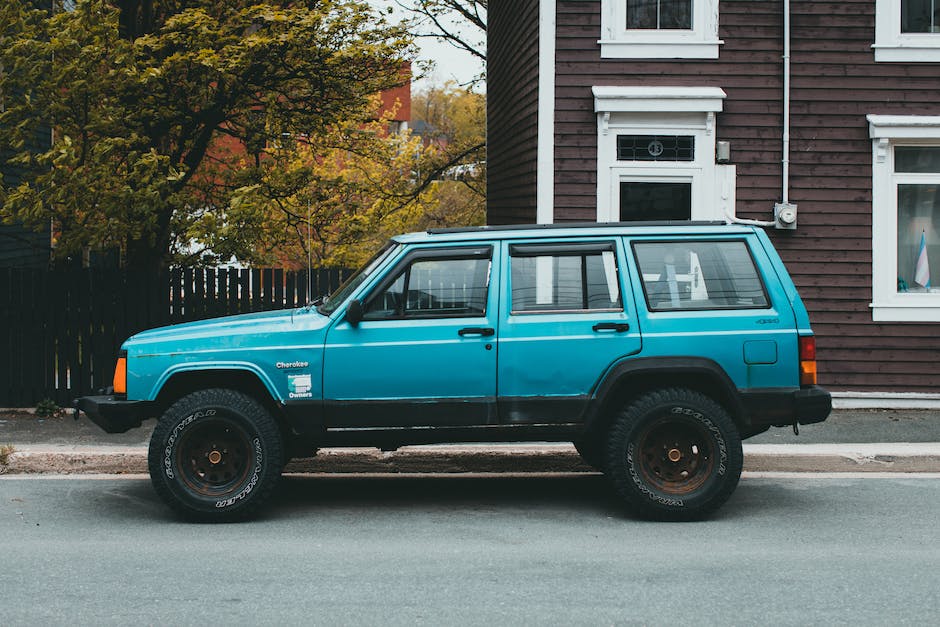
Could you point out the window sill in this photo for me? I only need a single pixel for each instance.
(624, 49)
(910, 312)
(907, 53)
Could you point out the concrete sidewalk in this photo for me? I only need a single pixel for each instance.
(850, 441)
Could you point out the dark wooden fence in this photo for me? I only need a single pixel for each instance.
(60, 329)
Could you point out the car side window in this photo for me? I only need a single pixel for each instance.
(699, 274)
(564, 277)
(434, 287)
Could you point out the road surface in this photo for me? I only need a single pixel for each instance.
(441, 550)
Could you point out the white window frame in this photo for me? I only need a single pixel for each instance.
(888, 132)
(891, 45)
(662, 111)
(701, 42)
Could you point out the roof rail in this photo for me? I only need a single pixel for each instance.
(575, 225)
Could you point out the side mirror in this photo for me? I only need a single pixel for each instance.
(354, 312)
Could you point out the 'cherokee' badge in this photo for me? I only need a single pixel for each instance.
(288, 365)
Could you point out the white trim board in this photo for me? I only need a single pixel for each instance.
(545, 157)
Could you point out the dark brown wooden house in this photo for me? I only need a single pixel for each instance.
(731, 109)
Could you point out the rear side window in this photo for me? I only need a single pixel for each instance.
(573, 277)
(682, 275)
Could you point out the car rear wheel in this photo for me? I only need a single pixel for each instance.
(216, 456)
(674, 454)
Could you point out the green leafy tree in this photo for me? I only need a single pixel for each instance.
(141, 93)
(336, 200)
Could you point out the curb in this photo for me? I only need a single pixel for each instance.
(495, 458)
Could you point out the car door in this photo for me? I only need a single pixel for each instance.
(424, 352)
(564, 322)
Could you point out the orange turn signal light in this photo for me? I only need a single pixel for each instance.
(120, 375)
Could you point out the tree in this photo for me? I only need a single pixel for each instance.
(461, 23)
(139, 91)
(336, 200)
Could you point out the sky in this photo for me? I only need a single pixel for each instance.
(450, 63)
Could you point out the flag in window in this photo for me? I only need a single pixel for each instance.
(922, 269)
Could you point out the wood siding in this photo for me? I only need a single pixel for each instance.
(512, 110)
(835, 83)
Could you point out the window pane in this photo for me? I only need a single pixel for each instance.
(655, 148)
(659, 14)
(388, 303)
(920, 16)
(451, 287)
(565, 282)
(918, 239)
(675, 14)
(603, 292)
(699, 275)
(917, 159)
(655, 201)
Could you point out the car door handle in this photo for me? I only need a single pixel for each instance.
(482, 331)
(619, 327)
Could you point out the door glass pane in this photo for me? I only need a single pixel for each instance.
(565, 282)
(448, 287)
(659, 14)
(655, 201)
(918, 239)
(920, 16)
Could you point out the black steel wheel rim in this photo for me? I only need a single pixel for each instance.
(214, 457)
(676, 455)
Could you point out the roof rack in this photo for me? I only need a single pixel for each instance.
(574, 225)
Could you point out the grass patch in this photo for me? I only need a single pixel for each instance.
(47, 408)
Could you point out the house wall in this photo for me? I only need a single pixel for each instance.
(512, 110)
(835, 83)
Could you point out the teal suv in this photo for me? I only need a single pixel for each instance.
(655, 347)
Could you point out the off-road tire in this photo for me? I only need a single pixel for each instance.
(216, 456)
(674, 454)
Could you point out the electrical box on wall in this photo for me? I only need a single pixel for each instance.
(785, 216)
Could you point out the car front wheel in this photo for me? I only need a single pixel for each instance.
(216, 456)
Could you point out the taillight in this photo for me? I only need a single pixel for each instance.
(120, 374)
(807, 360)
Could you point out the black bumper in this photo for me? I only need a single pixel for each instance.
(113, 414)
(774, 408)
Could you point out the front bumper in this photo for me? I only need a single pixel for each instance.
(780, 408)
(113, 414)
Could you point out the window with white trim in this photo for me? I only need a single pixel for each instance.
(905, 218)
(907, 31)
(656, 155)
(659, 29)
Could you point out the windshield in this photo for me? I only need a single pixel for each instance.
(336, 299)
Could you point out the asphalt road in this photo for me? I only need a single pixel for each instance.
(462, 550)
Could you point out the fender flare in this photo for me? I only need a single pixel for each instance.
(209, 366)
(720, 387)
